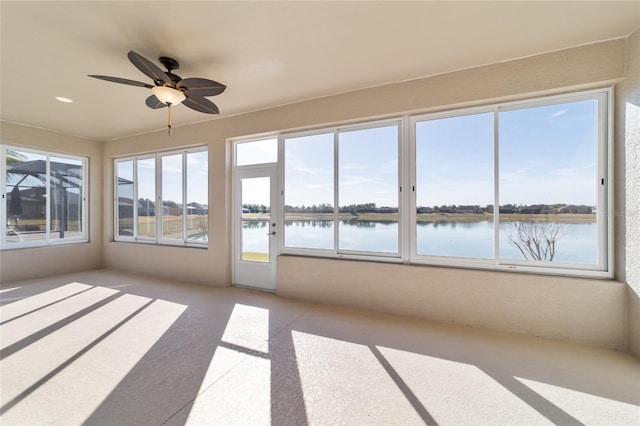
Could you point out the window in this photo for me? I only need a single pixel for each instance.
(44, 200)
(197, 192)
(454, 185)
(520, 186)
(543, 163)
(368, 189)
(146, 195)
(549, 183)
(171, 193)
(360, 176)
(256, 152)
(309, 192)
(124, 197)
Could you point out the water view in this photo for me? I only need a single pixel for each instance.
(576, 240)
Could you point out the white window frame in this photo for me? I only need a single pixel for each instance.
(407, 196)
(159, 210)
(48, 241)
(235, 143)
(336, 252)
(604, 267)
(454, 261)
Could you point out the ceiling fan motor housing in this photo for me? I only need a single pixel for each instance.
(170, 64)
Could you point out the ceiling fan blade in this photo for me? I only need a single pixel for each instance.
(149, 68)
(154, 103)
(201, 86)
(122, 81)
(201, 104)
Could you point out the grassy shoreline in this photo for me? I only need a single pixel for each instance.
(440, 217)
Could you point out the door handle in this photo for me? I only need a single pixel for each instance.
(272, 233)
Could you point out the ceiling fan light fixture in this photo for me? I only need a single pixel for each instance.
(168, 95)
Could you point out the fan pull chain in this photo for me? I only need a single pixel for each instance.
(169, 120)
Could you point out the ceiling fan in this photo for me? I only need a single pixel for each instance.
(170, 89)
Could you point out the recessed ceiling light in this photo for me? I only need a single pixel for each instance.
(63, 99)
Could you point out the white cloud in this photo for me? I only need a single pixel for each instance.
(558, 114)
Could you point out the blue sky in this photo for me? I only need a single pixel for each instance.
(454, 161)
(171, 177)
(547, 155)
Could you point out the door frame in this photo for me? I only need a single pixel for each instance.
(245, 273)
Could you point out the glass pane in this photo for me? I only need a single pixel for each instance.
(256, 218)
(308, 192)
(146, 181)
(455, 186)
(66, 198)
(26, 207)
(124, 193)
(548, 183)
(368, 189)
(172, 219)
(257, 152)
(197, 196)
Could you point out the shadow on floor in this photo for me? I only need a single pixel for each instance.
(198, 339)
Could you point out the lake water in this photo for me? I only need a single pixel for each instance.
(577, 242)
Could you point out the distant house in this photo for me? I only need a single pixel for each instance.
(197, 208)
(146, 207)
(536, 209)
(125, 207)
(171, 208)
(424, 210)
(573, 209)
(468, 209)
(386, 210)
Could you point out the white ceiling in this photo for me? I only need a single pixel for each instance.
(267, 53)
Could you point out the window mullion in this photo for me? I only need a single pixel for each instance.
(159, 203)
(134, 201)
(48, 200)
(185, 209)
(3, 190)
(85, 214)
(336, 192)
(496, 186)
(406, 199)
(604, 208)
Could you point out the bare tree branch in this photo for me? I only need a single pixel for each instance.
(535, 240)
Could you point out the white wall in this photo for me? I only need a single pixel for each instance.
(42, 261)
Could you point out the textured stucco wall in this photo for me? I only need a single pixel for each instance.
(572, 309)
(628, 211)
(42, 261)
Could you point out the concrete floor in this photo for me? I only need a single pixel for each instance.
(104, 347)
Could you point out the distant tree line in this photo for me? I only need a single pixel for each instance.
(451, 208)
(320, 208)
(351, 208)
(255, 208)
(509, 208)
